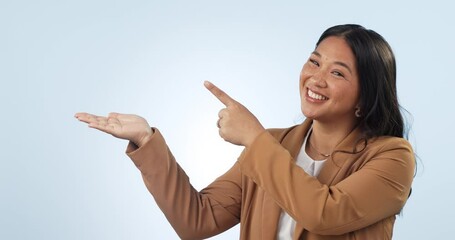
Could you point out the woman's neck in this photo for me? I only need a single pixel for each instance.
(325, 137)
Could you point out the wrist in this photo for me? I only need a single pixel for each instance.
(253, 137)
(144, 138)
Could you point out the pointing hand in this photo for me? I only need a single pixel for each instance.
(236, 123)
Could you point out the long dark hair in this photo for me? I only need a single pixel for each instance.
(376, 68)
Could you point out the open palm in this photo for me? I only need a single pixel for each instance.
(125, 126)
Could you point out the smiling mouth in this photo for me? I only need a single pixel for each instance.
(316, 96)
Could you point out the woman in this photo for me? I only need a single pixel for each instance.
(344, 173)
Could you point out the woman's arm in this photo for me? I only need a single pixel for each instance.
(193, 214)
(377, 190)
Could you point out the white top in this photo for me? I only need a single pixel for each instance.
(286, 225)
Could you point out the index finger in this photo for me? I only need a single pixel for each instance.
(87, 117)
(220, 94)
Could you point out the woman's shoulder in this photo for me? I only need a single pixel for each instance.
(396, 147)
(386, 142)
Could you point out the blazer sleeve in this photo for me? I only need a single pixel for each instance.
(192, 214)
(379, 189)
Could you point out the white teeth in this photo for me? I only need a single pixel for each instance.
(316, 96)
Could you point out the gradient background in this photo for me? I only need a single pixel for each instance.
(62, 180)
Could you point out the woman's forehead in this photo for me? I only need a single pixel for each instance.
(336, 50)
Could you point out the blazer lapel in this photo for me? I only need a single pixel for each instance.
(341, 155)
(292, 141)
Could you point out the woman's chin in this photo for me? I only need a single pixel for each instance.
(309, 114)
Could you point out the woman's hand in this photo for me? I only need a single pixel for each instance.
(236, 123)
(125, 126)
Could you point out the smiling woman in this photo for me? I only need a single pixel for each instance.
(328, 86)
(344, 173)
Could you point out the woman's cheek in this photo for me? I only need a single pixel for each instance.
(304, 76)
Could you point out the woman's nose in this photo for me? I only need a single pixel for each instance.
(319, 79)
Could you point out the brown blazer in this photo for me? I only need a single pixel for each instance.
(355, 196)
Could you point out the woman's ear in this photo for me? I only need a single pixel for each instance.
(358, 110)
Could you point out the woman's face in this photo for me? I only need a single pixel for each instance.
(329, 83)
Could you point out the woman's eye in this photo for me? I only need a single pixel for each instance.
(314, 62)
(338, 74)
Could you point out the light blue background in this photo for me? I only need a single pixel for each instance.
(62, 180)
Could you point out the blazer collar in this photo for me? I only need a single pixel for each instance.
(292, 140)
(343, 152)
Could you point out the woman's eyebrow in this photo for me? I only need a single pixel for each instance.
(336, 62)
(316, 53)
(343, 65)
